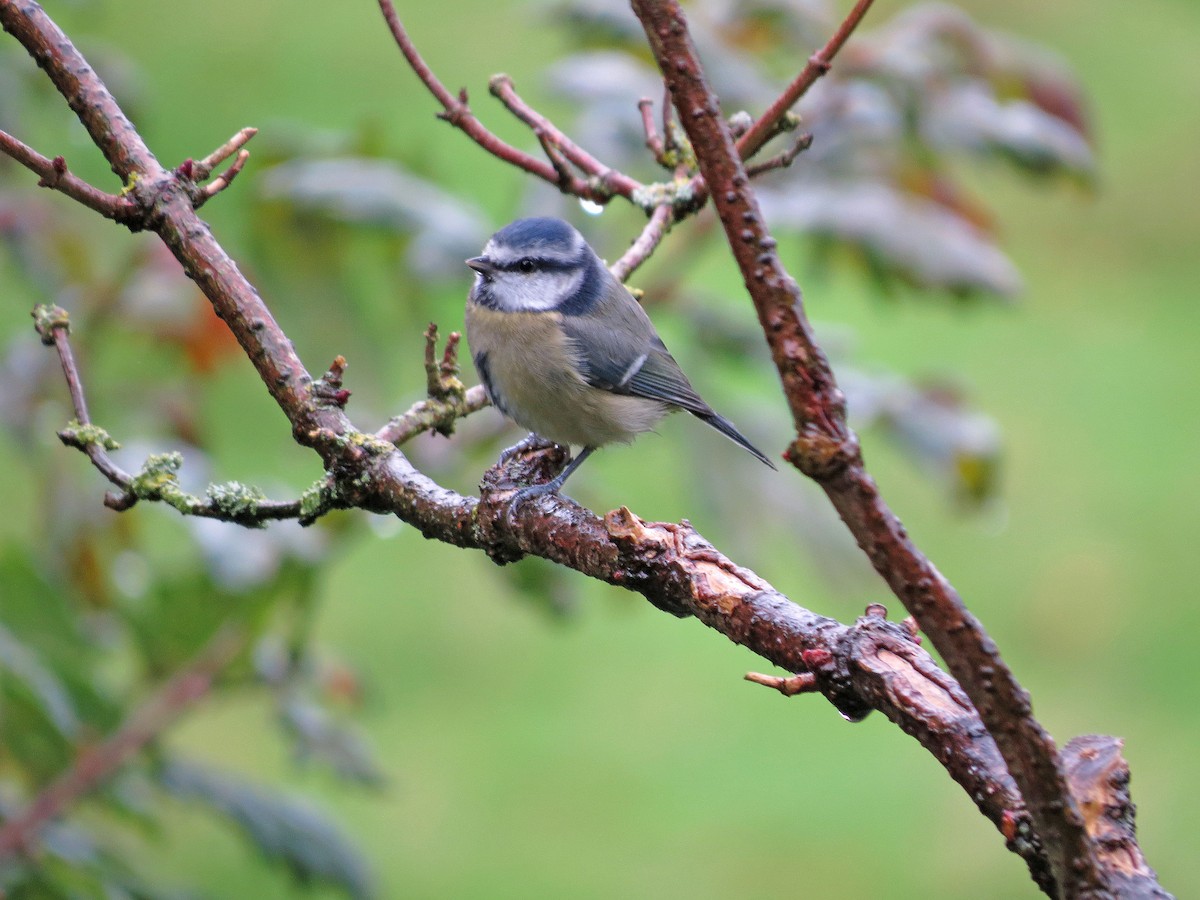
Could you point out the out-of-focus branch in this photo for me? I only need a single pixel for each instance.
(818, 64)
(645, 243)
(828, 451)
(781, 160)
(95, 764)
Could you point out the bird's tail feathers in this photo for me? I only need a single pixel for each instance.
(730, 431)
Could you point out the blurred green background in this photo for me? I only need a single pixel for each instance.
(616, 751)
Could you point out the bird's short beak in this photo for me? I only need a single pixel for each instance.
(482, 265)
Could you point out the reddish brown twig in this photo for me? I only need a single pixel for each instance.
(645, 243)
(609, 181)
(818, 64)
(601, 184)
(654, 140)
(223, 180)
(54, 174)
(184, 690)
(827, 450)
(804, 683)
(202, 169)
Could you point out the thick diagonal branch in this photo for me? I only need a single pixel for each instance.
(827, 450)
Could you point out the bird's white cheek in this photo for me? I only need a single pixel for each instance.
(536, 293)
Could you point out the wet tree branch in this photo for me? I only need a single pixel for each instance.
(828, 451)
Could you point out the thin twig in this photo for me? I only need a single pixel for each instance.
(95, 764)
(223, 180)
(561, 164)
(645, 244)
(54, 174)
(654, 140)
(782, 160)
(804, 683)
(610, 180)
(53, 325)
(204, 168)
(229, 503)
(457, 112)
(432, 415)
(818, 64)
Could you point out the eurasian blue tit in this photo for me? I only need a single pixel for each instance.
(564, 349)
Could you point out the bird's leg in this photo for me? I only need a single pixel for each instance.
(550, 487)
(531, 441)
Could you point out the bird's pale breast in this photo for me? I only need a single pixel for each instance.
(531, 372)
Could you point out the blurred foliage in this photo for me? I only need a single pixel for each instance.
(903, 102)
(355, 232)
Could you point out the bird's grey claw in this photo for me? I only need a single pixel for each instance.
(530, 442)
(526, 493)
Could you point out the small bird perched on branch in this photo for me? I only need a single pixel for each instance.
(564, 349)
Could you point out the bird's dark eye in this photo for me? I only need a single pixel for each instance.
(526, 265)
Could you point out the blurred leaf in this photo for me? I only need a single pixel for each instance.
(19, 662)
(31, 736)
(933, 426)
(969, 116)
(905, 237)
(71, 865)
(359, 191)
(900, 102)
(282, 828)
(318, 735)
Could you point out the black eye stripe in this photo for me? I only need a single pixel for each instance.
(536, 264)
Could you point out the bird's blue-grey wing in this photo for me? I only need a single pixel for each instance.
(621, 352)
(624, 354)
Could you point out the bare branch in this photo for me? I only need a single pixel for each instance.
(54, 174)
(827, 450)
(190, 685)
(654, 140)
(645, 244)
(228, 502)
(783, 160)
(818, 64)
(204, 168)
(600, 187)
(432, 415)
(223, 180)
(449, 400)
(607, 180)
